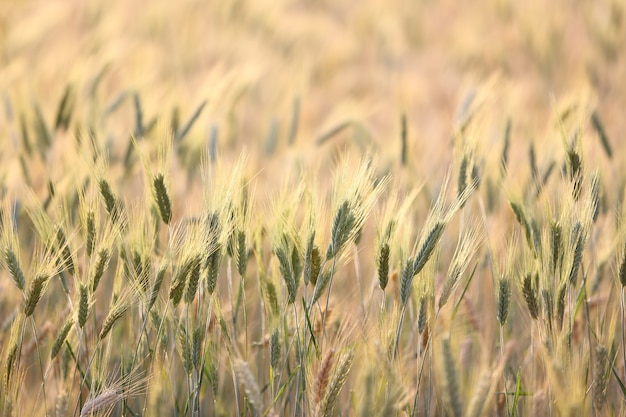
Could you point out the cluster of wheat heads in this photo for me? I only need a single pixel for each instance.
(146, 282)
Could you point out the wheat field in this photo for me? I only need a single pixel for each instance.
(312, 208)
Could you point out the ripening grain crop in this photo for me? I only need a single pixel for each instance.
(312, 208)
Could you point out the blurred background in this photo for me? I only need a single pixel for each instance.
(257, 63)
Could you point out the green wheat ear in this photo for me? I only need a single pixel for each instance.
(272, 297)
(316, 264)
(66, 258)
(184, 348)
(90, 243)
(560, 305)
(213, 250)
(578, 239)
(179, 280)
(193, 278)
(156, 285)
(287, 273)
(10, 248)
(275, 348)
(12, 264)
(241, 253)
(406, 282)
(428, 247)
(114, 207)
(382, 263)
(422, 319)
(83, 304)
(504, 295)
(12, 353)
(162, 198)
(107, 196)
(530, 296)
(99, 266)
(34, 293)
(197, 343)
(320, 286)
(343, 225)
(61, 336)
(555, 245)
(117, 311)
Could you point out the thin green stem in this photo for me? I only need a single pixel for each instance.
(188, 354)
(301, 358)
(506, 391)
(325, 312)
(398, 331)
(623, 331)
(357, 272)
(43, 379)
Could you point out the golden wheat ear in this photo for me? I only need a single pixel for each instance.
(467, 247)
(130, 385)
(323, 376)
(250, 386)
(326, 406)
